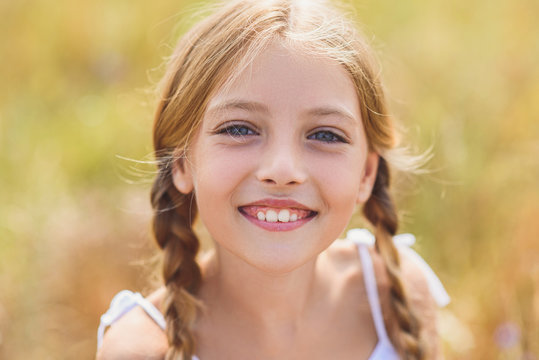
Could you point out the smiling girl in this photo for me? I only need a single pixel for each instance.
(272, 128)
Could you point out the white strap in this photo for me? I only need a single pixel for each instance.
(436, 288)
(122, 303)
(372, 292)
(403, 242)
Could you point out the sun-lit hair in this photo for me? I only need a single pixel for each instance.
(207, 59)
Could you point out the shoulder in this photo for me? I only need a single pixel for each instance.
(343, 256)
(340, 263)
(135, 336)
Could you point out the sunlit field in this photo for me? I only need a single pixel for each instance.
(77, 83)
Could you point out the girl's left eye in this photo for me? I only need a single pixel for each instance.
(326, 136)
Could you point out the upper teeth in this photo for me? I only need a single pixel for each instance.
(272, 216)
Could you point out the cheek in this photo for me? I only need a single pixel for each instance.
(219, 172)
(339, 179)
(216, 179)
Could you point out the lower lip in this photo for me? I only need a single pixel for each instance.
(278, 226)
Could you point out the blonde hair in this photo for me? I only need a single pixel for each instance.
(208, 58)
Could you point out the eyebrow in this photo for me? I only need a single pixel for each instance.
(254, 106)
(329, 110)
(240, 105)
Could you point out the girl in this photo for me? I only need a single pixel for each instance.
(273, 128)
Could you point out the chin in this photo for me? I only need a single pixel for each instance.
(277, 263)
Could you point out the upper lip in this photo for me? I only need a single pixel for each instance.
(279, 203)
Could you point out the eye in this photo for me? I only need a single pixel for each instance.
(237, 130)
(326, 136)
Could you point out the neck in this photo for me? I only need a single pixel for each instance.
(257, 299)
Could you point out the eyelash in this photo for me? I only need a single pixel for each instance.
(235, 130)
(327, 136)
(239, 130)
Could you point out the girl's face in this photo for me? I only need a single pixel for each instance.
(280, 161)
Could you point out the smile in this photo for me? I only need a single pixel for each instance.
(273, 215)
(277, 215)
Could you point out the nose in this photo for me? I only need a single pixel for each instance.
(281, 164)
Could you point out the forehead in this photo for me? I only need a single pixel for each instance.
(281, 77)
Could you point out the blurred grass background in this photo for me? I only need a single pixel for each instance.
(75, 93)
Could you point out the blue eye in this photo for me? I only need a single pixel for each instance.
(237, 130)
(326, 136)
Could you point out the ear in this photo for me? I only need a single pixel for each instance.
(369, 176)
(182, 175)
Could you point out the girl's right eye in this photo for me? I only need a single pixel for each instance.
(237, 130)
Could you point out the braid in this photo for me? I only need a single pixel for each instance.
(172, 227)
(380, 211)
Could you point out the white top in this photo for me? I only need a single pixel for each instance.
(126, 300)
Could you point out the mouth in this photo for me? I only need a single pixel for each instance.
(277, 215)
(273, 215)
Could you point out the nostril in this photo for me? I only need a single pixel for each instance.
(281, 170)
(273, 182)
(292, 180)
